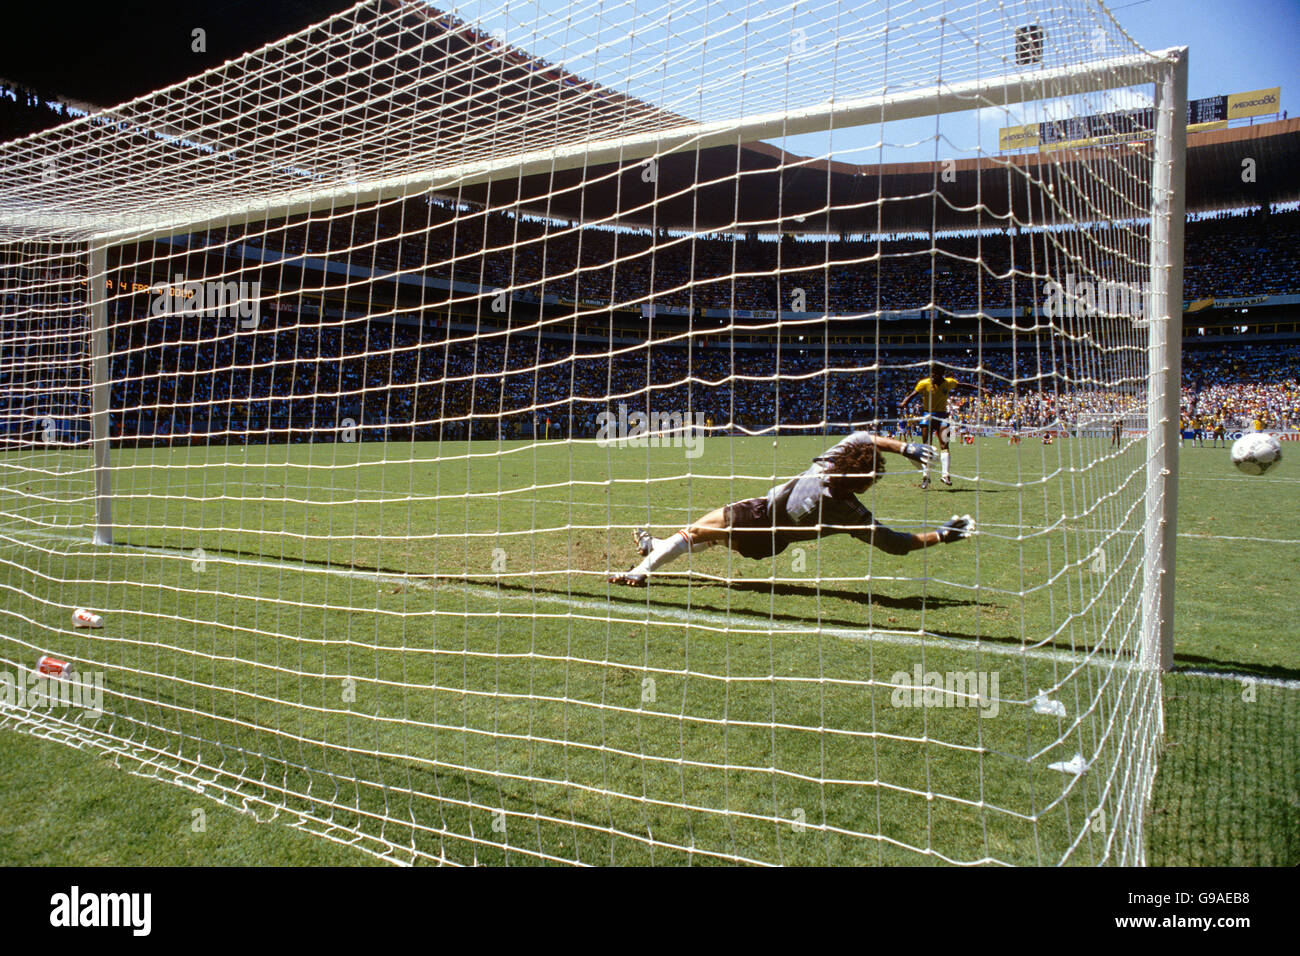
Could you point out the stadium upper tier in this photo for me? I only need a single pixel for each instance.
(745, 185)
(388, 90)
(391, 98)
(715, 188)
(444, 257)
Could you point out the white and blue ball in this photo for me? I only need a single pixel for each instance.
(1256, 452)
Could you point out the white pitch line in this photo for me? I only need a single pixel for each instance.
(688, 617)
(757, 623)
(1258, 479)
(1229, 537)
(611, 608)
(1282, 682)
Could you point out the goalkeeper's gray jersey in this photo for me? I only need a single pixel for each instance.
(806, 500)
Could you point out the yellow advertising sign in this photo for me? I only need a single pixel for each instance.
(1115, 140)
(1255, 103)
(1018, 137)
(1211, 112)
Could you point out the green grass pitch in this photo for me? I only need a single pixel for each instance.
(413, 648)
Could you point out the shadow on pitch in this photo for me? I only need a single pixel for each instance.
(785, 589)
(674, 587)
(706, 596)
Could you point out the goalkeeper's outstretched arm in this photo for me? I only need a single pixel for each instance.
(900, 542)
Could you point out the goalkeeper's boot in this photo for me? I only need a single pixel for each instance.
(946, 480)
(643, 540)
(628, 578)
(925, 482)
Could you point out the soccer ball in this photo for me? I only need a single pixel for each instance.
(1256, 453)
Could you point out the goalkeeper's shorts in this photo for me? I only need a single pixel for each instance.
(753, 532)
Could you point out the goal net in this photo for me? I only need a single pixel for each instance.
(337, 381)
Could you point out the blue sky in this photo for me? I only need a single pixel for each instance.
(1235, 45)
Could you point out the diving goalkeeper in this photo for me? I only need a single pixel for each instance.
(822, 501)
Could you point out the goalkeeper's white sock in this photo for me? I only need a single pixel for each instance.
(669, 549)
(944, 458)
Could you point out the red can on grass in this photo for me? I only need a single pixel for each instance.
(53, 667)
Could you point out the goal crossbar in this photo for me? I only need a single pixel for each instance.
(1028, 86)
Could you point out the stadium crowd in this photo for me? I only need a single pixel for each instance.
(1237, 386)
(23, 111)
(189, 378)
(1226, 256)
(1241, 254)
(296, 377)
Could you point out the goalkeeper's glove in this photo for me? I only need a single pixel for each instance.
(955, 529)
(919, 453)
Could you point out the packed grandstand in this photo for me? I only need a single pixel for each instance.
(503, 325)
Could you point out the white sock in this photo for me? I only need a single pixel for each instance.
(944, 458)
(666, 550)
(695, 548)
(698, 546)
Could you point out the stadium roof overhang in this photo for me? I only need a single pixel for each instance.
(385, 97)
(232, 145)
(761, 185)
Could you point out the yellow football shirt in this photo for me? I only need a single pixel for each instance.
(934, 398)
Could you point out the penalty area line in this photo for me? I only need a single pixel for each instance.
(1241, 677)
(767, 624)
(1230, 537)
(610, 608)
(862, 635)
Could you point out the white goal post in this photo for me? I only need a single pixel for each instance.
(1168, 216)
(301, 363)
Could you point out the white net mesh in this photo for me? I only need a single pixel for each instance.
(409, 329)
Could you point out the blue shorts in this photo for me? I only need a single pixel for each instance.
(934, 420)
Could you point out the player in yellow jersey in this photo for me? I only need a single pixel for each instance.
(933, 393)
